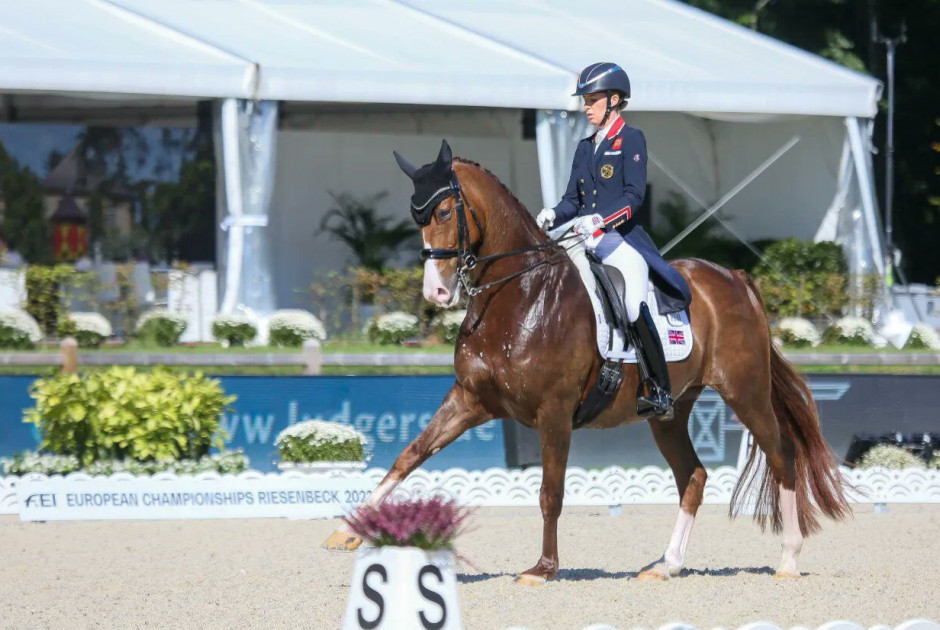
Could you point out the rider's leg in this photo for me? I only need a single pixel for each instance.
(614, 251)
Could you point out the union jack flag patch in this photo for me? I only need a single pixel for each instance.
(676, 338)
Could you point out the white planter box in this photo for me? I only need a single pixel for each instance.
(402, 587)
(322, 467)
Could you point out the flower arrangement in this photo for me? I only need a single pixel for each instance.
(890, 456)
(233, 330)
(290, 327)
(797, 332)
(18, 329)
(161, 325)
(89, 329)
(924, 337)
(430, 524)
(447, 324)
(854, 331)
(229, 462)
(320, 441)
(393, 328)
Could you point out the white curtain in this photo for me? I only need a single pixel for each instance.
(557, 134)
(247, 135)
(852, 220)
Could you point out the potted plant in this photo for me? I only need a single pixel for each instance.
(408, 561)
(320, 446)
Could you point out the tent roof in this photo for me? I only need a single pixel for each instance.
(419, 52)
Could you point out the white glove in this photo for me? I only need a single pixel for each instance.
(587, 226)
(546, 218)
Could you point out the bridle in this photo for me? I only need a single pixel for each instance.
(467, 260)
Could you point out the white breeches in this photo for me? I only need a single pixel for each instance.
(635, 272)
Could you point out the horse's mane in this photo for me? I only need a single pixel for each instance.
(514, 202)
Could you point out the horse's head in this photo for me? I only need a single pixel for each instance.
(440, 208)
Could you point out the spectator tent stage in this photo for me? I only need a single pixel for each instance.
(312, 96)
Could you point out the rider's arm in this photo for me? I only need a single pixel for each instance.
(633, 160)
(567, 208)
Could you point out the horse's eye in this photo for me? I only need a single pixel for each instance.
(443, 215)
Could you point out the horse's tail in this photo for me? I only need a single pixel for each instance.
(819, 484)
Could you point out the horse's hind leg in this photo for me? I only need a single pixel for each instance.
(460, 411)
(673, 441)
(776, 500)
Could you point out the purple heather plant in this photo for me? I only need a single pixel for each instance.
(428, 524)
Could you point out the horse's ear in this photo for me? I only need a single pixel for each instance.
(405, 165)
(445, 156)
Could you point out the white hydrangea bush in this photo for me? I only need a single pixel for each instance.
(318, 441)
(924, 336)
(164, 326)
(89, 329)
(797, 332)
(393, 328)
(291, 327)
(855, 331)
(447, 324)
(234, 329)
(18, 329)
(890, 456)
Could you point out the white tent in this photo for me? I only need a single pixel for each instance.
(362, 76)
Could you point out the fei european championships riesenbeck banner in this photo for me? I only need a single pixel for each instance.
(302, 497)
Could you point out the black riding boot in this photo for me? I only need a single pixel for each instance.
(654, 396)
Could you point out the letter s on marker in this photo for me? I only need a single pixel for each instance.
(433, 596)
(373, 595)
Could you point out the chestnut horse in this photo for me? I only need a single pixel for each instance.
(527, 350)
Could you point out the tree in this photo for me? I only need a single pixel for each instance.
(25, 227)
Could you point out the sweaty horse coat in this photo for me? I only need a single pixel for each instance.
(611, 182)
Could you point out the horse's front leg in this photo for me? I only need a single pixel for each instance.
(555, 441)
(461, 410)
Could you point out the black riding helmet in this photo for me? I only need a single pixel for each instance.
(604, 77)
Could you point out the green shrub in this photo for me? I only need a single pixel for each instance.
(234, 330)
(161, 326)
(803, 279)
(447, 325)
(120, 413)
(44, 294)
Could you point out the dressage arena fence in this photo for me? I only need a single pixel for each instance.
(497, 487)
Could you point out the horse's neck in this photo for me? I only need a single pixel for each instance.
(507, 230)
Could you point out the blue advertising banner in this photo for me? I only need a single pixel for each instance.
(390, 410)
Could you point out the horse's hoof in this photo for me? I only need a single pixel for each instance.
(652, 576)
(342, 541)
(530, 580)
(785, 575)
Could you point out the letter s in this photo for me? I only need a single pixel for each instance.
(373, 595)
(432, 596)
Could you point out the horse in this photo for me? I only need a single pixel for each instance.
(527, 351)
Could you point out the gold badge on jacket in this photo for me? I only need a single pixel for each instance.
(607, 171)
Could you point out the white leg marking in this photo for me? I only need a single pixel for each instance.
(792, 537)
(675, 553)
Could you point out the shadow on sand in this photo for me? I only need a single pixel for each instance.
(578, 575)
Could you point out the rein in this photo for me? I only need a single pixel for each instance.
(467, 260)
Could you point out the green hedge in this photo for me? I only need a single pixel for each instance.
(121, 413)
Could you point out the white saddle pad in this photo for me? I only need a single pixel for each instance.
(674, 329)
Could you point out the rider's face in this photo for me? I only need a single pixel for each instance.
(596, 104)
